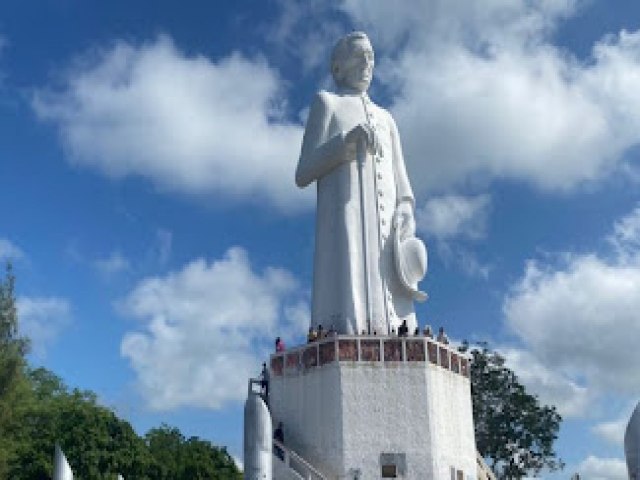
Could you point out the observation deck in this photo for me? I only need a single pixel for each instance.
(370, 349)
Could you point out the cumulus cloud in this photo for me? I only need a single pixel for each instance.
(551, 386)
(113, 264)
(612, 431)
(481, 92)
(42, 319)
(596, 468)
(189, 124)
(304, 31)
(207, 328)
(9, 251)
(454, 215)
(164, 243)
(451, 220)
(582, 316)
(625, 238)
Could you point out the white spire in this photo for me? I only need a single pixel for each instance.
(632, 443)
(61, 468)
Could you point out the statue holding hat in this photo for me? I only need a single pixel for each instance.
(367, 260)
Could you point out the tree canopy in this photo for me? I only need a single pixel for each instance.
(514, 432)
(13, 349)
(37, 410)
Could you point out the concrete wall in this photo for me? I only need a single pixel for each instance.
(343, 415)
(282, 472)
(310, 408)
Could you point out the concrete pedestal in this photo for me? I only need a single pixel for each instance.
(372, 407)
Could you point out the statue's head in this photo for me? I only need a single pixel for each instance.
(352, 62)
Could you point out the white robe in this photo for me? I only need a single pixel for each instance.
(339, 295)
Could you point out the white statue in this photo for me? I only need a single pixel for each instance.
(352, 150)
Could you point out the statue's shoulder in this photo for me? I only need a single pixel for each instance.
(326, 97)
(380, 110)
(323, 102)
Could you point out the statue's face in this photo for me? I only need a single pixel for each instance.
(357, 68)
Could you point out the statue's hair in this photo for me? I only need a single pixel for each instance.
(342, 50)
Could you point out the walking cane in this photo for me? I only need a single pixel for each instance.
(362, 159)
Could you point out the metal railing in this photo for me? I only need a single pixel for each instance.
(370, 349)
(295, 462)
(483, 469)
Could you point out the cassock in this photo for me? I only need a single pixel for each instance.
(339, 283)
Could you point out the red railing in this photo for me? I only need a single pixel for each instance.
(367, 348)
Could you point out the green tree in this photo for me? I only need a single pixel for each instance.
(13, 349)
(514, 433)
(97, 444)
(178, 458)
(37, 410)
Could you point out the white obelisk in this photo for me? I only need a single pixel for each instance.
(632, 444)
(61, 468)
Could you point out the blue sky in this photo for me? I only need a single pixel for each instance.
(147, 153)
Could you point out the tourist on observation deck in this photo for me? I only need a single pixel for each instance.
(312, 336)
(264, 383)
(442, 337)
(403, 330)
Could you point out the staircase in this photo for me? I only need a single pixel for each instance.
(297, 467)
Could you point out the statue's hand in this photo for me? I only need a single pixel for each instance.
(405, 220)
(364, 133)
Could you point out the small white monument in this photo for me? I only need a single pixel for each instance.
(258, 432)
(372, 399)
(61, 468)
(632, 444)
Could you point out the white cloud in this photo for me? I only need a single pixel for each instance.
(595, 468)
(625, 238)
(552, 387)
(612, 431)
(434, 22)
(113, 264)
(452, 219)
(189, 124)
(516, 111)
(164, 242)
(453, 253)
(207, 328)
(43, 319)
(582, 316)
(9, 250)
(480, 91)
(304, 31)
(454, 215)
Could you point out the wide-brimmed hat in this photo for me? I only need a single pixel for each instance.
(411, 263)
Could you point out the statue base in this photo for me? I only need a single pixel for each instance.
(371, 407)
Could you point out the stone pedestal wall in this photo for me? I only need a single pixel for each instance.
(376, 406)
